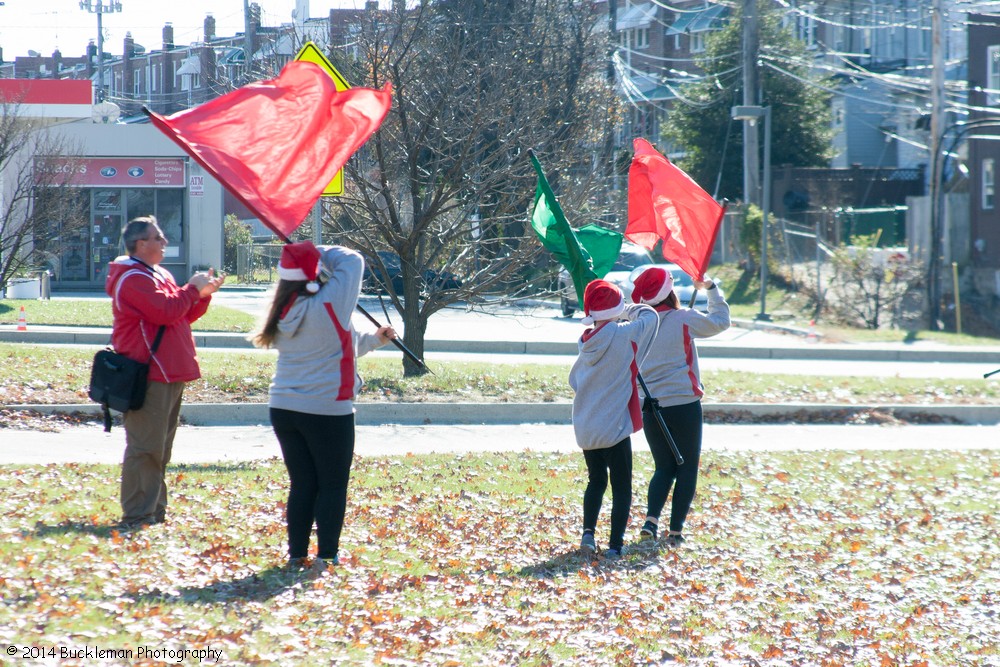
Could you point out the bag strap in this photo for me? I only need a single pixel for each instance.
(156, 341)
(159, 333)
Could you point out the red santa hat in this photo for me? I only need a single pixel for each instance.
(602, 301)
(652, 286)
(300, 261)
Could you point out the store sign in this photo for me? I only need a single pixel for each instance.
(196, 186)
(113, 172)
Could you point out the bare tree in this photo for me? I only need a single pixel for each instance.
(868, 283)
(37, 204)
(446, 183)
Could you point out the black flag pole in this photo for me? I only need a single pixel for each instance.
(986, 375)
(395, 341)
(655, 405)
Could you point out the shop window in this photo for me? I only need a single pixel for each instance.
(140, 202)
(170, 215)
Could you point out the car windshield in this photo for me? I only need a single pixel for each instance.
(629, 260)
(681, 279)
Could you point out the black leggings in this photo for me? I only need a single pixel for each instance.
(684, 423)
(318, 450)
(617, 460)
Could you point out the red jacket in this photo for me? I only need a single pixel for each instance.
(141, 301)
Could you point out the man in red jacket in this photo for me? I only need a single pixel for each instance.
(144, 298)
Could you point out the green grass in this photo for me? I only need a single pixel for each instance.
(840, 558)
(97, 313)
(61, 374)
(789, 308)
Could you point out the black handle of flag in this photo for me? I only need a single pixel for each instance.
(655, 405)
(395, 341)
(986, 375)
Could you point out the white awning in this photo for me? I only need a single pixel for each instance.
(637, 16)
(191, 65)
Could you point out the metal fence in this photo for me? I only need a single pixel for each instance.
(258, 262)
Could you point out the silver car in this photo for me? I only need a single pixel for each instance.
(683, 286)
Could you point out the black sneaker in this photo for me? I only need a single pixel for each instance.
(675, 540)
(648, 531)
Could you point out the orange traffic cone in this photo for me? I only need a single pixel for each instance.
(811, 337)
(22, 322)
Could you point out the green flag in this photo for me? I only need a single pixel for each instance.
(585, 261)
(603, 246)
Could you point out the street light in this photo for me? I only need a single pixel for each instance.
(750, 114)
(100, 9)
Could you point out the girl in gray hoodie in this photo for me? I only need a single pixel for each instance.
(606, 406)
(673, 377)
(312, 393)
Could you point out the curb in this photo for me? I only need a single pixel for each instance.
(417, 414)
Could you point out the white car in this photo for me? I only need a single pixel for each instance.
(630, 257)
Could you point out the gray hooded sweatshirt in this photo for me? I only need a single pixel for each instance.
(606, 407)
(317, 344)
(671, 371)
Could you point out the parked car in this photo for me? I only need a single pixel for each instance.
(630, 257)
(375, 279)
(632, 261)
(683, 285)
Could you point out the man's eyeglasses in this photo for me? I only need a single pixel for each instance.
(157, 239)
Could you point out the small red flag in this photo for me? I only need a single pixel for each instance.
(665, 203)
(277, 144)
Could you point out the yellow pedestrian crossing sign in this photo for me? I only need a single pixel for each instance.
(311, 53)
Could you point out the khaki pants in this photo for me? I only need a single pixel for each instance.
(149, 441)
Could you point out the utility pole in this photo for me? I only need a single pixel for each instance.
(751, 144)
(247, 42)
(937, 162)
(100, 9)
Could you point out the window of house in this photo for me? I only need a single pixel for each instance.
(697, 42)
(641, 38)
(805, 25)
(989, 183)
(137, 82)
(993, 75)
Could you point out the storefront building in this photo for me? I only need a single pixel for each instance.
(127, 171)
(118, 172)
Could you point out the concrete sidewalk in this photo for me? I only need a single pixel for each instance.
(220, 445)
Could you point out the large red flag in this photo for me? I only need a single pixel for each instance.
(665, 203)
(277, 144)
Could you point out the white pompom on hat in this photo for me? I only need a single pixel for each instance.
(652, 286)
(300, 261)
(602, 301)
